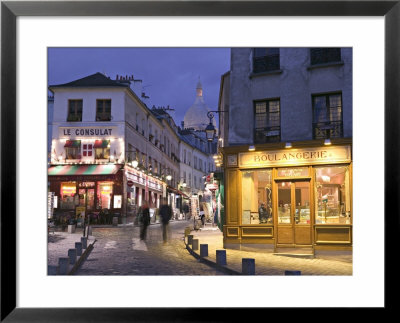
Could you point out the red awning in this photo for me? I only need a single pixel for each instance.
(101, 144)
(72, 144)
(108, 169)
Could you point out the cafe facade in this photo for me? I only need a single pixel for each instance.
(87, 168)
(297, 197)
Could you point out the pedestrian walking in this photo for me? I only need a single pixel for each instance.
(165, 215)
(186, 211)
(145, 220)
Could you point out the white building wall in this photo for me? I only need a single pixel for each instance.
(63, 130)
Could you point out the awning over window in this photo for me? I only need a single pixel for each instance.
(83, 170)
(174, 190)
(72, 144)
(101, 143)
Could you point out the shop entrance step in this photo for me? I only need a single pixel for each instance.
(300, 252)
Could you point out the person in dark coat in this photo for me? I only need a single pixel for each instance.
(165, 215)
(145, 221)
(186, 210)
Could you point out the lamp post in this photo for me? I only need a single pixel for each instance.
(210, 129)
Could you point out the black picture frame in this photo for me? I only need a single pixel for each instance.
(10, 10)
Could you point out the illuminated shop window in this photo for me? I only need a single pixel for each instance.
(102, 149)
(104, 194)
(67, 193)
(332, 195)
(73, 149)
(256, 197)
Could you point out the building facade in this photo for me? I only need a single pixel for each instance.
(108, 150)
(287, 148)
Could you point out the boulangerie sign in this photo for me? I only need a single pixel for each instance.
(308, 156)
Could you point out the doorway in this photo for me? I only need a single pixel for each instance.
(293, 213)
(86, 198)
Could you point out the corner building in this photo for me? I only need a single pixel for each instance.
(108, 150)
(287, 148)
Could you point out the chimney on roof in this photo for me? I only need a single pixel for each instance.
(136, 86)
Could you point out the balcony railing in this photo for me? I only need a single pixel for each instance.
(103, 117)
(323, 130)
(267, 135)
(74, 118)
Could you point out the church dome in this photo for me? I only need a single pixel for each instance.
(196, 115)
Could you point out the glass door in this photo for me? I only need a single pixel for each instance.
(285, 232)
(293, 205)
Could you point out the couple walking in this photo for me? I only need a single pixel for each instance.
(165, 216)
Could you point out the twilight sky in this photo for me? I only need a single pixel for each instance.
(169, 75)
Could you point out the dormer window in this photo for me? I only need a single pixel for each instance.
(103, 111)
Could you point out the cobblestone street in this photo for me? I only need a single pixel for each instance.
(119, 251)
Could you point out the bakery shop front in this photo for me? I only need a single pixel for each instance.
(298, 197)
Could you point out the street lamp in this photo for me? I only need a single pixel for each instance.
(210, 129)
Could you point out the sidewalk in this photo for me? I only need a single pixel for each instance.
(266, 263)
(58, 244)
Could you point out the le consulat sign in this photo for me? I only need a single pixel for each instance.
(293, 157)
(76, 132)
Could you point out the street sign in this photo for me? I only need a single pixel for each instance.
(129, 183)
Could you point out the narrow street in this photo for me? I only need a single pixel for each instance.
(119, 251)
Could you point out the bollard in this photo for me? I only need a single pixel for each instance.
(195, 244)
(52, 270)
(221, 257)
(78, 247)
(248, 266)
(190, 238)
(292, 272)
(84, 242)
(63, 265)
(115, 221)
(88, 231)
(187, 231)
(203, 250)
(72, 256)
(71, 228)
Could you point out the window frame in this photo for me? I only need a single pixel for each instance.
(327, 123)
(104, 151)
(87, 152)
(276, 138)
(324, 57)
(267, 61)
(102, 116)
(71, 117)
